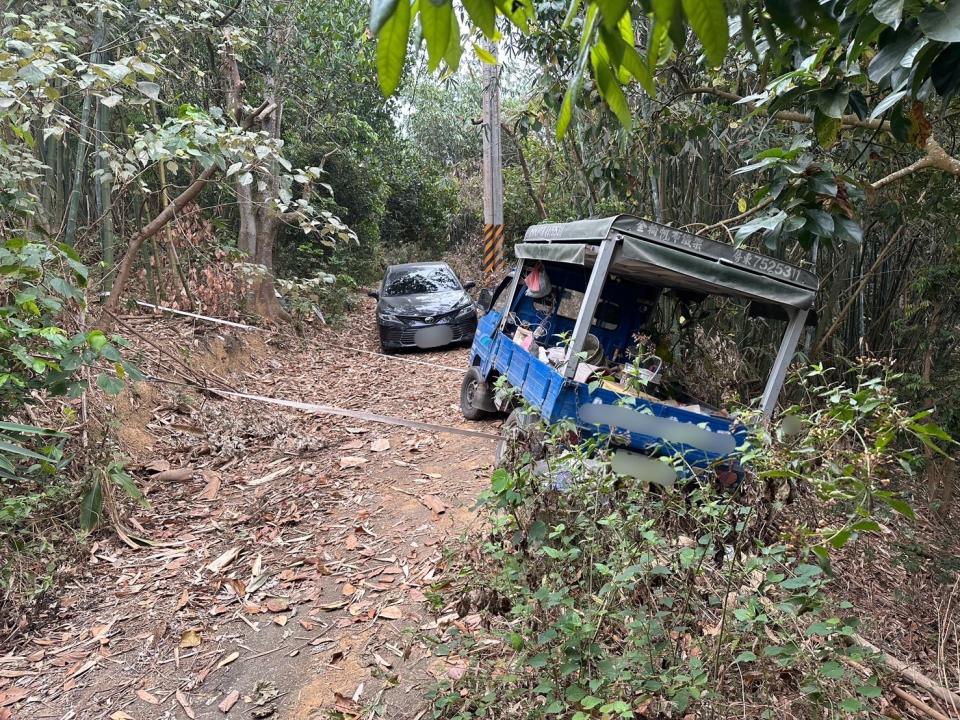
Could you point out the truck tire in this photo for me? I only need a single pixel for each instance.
(469, 389)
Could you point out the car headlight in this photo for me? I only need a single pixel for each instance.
(389, 317)
(466, 311)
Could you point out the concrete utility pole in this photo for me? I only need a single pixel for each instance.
(492, 169)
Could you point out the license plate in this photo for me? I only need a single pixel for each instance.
(432, 337)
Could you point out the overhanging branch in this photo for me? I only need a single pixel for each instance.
(935, 156)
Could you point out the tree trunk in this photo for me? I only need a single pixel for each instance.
(259, 223)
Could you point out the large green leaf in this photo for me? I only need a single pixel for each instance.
(826, 128)
(380, 12)
(848, 229)
(29, 429)
(612, 11)
(119, 476)
(484, 15)
(888, 102)
(832, 102)
(708, 18)
(663, 10)
(889, 12)
(110, 384)
(608, 86)
(890, 55)
(634, 64)
(573, 87)
(91, 506)
(519, 12)
(942, 25)
(392, 48)
(659, 46)
(454, 48)
(14, 449)
(435, 22)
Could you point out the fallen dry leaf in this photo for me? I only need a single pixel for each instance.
(228, 659)
(456, 670)
(356, 430)
(271, 476)
(277, 604)
(348, 589)
(185, 704)
(221, 562)
(352, 542)
(228, 702)
(121, 715)
(352, 445)
(189, 638)
(329, 607)
(280, 620)
(176, 474)
(346, 706)
(392, 612)
(158, 465)
(212, 487)
(148, 697)
(352, 461)
(380, 445)
(182, 602)
(433, 503)
(713, 630)
(12, 695)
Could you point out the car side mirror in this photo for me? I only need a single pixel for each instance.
(469, 285)
(485, 299)
(374, 294)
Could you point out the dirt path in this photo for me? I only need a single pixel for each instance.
(292, 557)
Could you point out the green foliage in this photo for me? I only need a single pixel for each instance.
(842, 65)
(325, 297)
(808, 201)
(39, 356)
(619, 597)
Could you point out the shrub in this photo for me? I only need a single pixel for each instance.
(612, 598)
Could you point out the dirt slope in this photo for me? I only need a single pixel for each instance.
(292, 556)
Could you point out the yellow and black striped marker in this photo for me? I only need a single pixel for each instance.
(492, 248)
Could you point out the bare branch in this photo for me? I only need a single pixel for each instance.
(936, 157)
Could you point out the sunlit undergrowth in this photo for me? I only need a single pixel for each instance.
(607, 598)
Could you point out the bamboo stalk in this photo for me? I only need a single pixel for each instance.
(950, 698)
(918, 704)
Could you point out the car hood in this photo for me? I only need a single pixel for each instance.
(429, 304)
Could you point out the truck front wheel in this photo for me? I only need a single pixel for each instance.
(470, 389)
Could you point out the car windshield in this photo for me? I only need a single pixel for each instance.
(420, 281)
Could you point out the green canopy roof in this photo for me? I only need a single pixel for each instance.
(671, 258)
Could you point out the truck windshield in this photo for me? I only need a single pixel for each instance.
(420, 281)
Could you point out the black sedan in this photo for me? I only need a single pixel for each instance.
(423, 305)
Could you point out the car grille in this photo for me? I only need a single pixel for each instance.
(461, 329)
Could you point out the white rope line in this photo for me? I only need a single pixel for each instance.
(206, 318)
(358, 414)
